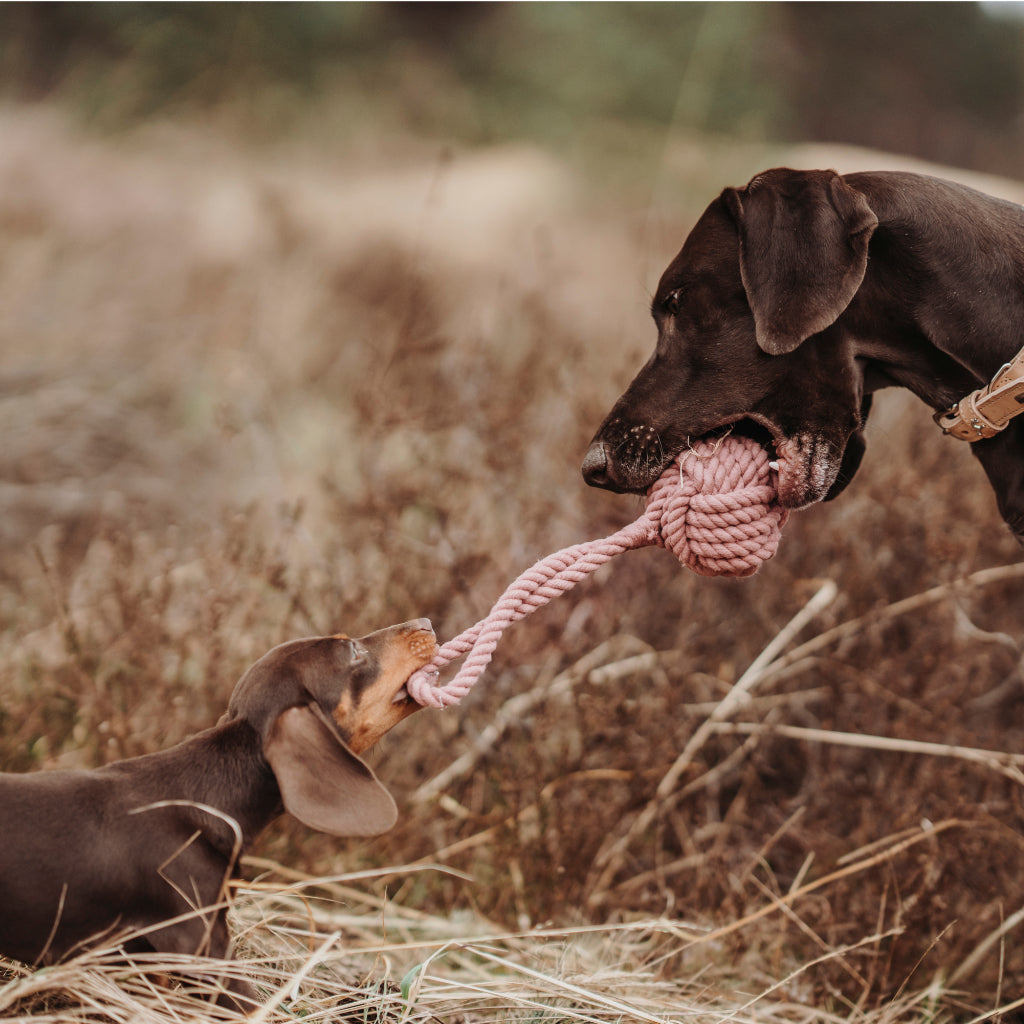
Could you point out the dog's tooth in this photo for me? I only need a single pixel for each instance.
(773, 465)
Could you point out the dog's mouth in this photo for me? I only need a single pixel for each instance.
(788, 471)
(422, 646)
(384, 702)
(803, 467)
(768, 437)
(402, 697)
(628, 459)
(760, 432)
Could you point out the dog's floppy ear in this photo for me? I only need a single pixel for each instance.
(803, 251)
(322, 782)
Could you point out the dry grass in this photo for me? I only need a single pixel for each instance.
(324, 949)
(254, 393)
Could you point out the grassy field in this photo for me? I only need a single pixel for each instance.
(256, 391)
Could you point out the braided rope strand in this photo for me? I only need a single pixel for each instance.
(714, 508)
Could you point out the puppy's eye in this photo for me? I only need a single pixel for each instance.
(671, 301)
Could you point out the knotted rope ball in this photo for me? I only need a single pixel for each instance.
(715, 508)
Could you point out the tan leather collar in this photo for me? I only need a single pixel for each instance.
(983, 413)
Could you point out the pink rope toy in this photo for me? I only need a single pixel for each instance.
(714, 508)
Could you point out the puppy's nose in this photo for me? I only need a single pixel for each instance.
(595, 465)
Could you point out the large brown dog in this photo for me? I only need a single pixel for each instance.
(795, 298)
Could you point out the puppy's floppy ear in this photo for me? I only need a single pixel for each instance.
(803, 251)
(322, 782)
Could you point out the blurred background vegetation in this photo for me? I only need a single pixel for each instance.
(943, 81)
(307, 314)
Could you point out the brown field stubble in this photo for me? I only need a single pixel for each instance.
(252, 395)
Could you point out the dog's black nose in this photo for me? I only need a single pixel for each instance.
(595, 465)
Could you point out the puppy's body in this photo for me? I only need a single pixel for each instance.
(144, 848)
(89, 851)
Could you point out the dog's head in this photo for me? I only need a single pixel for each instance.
(317, 704)
(747, 335)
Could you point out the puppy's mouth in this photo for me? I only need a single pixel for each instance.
(421, 644)
(400, 651)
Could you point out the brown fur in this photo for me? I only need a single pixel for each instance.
(90, 855)
(796, 298)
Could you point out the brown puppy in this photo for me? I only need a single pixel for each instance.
(129, 848)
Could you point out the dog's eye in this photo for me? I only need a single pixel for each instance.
(671, 302)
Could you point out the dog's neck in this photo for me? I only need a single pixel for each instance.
(940, 380)
(223, 769)
(951, 334)
(939, 312)
(936, 378)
